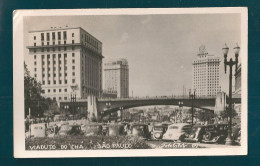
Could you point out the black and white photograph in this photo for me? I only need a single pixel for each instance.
(130, 82)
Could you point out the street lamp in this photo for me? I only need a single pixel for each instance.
(179, 112)
(121, 112)
(230, 63)
(192, 97)
(107, 108)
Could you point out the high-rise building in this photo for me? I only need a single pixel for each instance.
(66, 60)
(206, 73)
(116, 75)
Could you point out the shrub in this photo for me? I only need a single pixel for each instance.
(85, 143)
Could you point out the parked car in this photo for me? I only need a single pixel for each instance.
(177, 131)
(38, 130)
(157, 132)
(70, 130)
(91, 129)
(141, 131)
(236, 133)
(215, 133)
(196, 134)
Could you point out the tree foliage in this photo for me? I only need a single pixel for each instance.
(32, 96)
(224, 114)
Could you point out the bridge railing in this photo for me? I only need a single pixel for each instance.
(154, 98)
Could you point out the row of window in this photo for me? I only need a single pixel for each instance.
(53, 43)
(54, 90)
(54, 36)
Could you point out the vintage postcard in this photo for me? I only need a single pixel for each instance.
(130, 82)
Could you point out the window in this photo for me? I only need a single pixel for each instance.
(42, 43)
(73, 67)
(65, 98)
(72, 41)
(34, 63)
(34, 44)
(72, 34)
(60, 82)
(66, 81)
(54, 90)
(65, 90)
(73, 73)
(59, 98)
(48, 36)
(54, 81)
(34, 56)
(35, 69)
(53, 49)
(65, 55)
(35, 75)
(59, 90)
(59, 55)
(42, 36)
(59, 36)
(43, 82)
(64, 35)
(73, 54)
(73, 80)
(58, 42)
(43, 75)
(64, 42)
(34, 37)
(66, 74)
(53, 43)
(49, 82)
(73, 60)
(53, 35)
(49, 90)
(48, 43)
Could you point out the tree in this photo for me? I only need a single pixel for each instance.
(32, 94)
(225, 114)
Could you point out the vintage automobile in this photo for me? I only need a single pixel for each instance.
(141, 131)
(196, 134)
(158, 131)
(236, 134)
(177, 132)
(215, 133)
(38, 130)
(70, 130)
(115, 129)
(91, 129)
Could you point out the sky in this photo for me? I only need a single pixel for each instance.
(159, 48)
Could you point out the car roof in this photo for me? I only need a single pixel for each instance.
(179, 124)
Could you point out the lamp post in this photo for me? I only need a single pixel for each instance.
(108, 107)
(192, 97)
(180, 106)
(230, 63)
(121, 113)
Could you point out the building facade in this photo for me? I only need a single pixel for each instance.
(116, 77)
(66, 61)
(206, 73)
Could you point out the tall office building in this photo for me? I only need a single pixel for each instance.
(206, 73)
(117, 77)
(66, 60)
